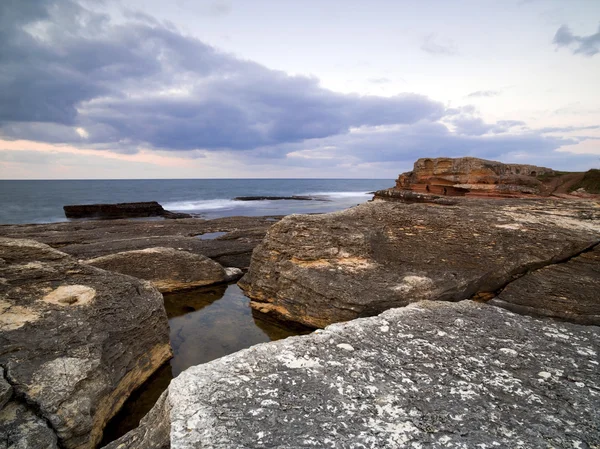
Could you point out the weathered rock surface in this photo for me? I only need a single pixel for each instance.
(472, 177)
(432, 374)
(20, 428)
(120, 210)
(75, 341)
(317, 270)
(91, 239)
(568, 291)
(168, 269)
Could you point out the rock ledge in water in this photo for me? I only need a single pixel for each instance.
(120, 210)
(432, 374)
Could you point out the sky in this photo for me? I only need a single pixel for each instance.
(110, 89)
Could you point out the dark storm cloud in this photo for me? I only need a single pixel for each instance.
(143, 83)
(584, 45)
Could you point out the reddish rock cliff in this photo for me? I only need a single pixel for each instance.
(472, 177)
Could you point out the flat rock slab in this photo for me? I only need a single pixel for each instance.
(570, 290)
(91, 239)
(75, 341)
(168, 269)
(321, 269)
(433, 374)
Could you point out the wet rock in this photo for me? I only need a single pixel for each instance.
(321, 269)
(152, 433)
(432, 374)
(76, 341)
(569, 291)
(233, 274)
(120, 210)
(96, 238)
(168, 269)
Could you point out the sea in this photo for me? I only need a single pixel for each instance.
(42, 201)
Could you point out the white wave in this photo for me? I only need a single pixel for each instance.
(215, 204)
(340, 195)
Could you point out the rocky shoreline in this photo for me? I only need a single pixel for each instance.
(422, 277)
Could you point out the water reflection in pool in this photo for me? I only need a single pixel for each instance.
(205, 324)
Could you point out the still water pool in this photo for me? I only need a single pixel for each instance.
(206, 324)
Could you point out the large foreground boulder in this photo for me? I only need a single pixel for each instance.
(168, 269)
(75, 341)
(569, 290)
(435, 375)
(321, 269)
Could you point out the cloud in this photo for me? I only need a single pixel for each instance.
(584, 45)
(484, 93)
(72, 76)
(380, 80)
(142, 83)
(432, 46)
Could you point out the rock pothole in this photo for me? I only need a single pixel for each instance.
(71, 295)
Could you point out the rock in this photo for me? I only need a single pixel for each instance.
(76, 341)
(233, 274)
(432, 374)
(321, 269)
(569, 291)
(152, 433)
(96, 238)
(120, 210)
(5, 389)
(20, 428)
(168, 269)
(472, 177)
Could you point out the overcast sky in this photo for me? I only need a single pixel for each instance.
(283, 88)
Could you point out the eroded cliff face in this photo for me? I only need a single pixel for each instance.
(469, 176)
(75, 341)
(321, 269)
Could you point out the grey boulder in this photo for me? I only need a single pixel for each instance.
(432, 374)
(168, 269)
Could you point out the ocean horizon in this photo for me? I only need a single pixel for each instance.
(42, 201)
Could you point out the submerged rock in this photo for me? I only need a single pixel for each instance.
(431, 374)
(321, 269)
(75, 342)
(168, 269)
(568, 291)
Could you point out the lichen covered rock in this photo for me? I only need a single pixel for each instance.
(432, 374)
(76, 341)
